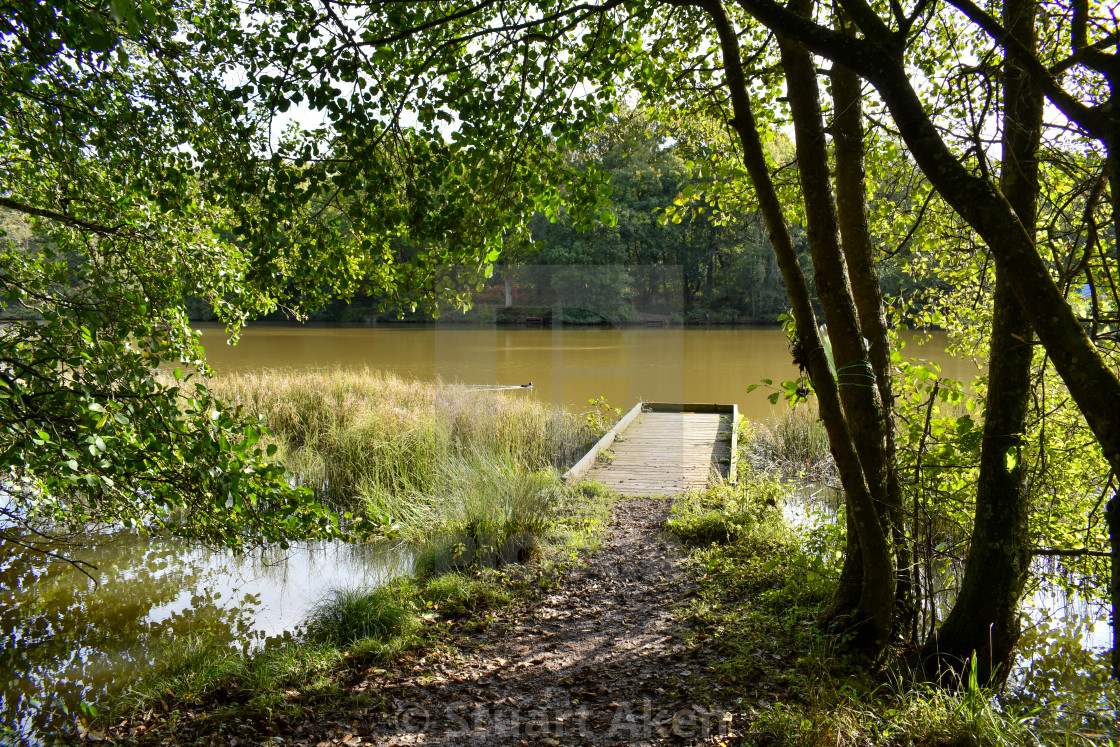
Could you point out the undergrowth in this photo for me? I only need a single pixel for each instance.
(759, 593)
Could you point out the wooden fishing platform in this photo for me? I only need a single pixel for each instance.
(663, 448)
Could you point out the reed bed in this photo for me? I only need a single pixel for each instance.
(794, 444)
(433, 457)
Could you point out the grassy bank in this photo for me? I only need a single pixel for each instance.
(759, 592)
(469, 478)
(423, 458)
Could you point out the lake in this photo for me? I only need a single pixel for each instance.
(566, 365)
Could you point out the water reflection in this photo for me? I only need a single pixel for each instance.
(68, 638)
(1064, 662)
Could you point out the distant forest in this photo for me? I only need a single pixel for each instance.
(695, 266)
(667, 251)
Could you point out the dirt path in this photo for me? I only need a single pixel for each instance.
(596, 662)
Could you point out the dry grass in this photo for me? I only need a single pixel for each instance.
(793, 444)
(433, 457)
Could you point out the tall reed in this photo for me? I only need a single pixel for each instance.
(432, 456)
(793, 444)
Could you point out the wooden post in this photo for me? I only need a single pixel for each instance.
(733, 465)
(1113, 515)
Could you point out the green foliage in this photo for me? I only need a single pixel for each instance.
(601, 417)
(348, 615)
(91, 435)
(660, 252)
(940, 439)
(110, 198)
(135, 200)
(753, 611)
(725, 512)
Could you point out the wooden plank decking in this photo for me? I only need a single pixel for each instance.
(667, 450)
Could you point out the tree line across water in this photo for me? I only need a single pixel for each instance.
(702, 267)
(967, 150)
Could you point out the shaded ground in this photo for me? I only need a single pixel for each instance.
(595, 662)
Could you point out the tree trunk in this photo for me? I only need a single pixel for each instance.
(985, 617)
(862, 406)
(1112, 515)
(984, 621)
(850, 584)
(859, 253)
(873, 619)
(509, 289)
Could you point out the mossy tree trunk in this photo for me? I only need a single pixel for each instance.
(862, 407)
(859, 253)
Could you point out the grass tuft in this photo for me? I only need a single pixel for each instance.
(456, 596)
(197, 672)
(348, 615)
(726, 512)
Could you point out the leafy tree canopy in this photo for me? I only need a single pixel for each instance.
(143, 159)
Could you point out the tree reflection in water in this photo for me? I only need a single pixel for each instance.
(1061, 675)
(68, 639)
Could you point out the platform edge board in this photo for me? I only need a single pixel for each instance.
(699, 407)
(733, 458)
(581, 468)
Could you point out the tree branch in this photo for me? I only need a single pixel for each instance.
(1095, 121)
(69, 220)
(1057, 552)
(582, 7)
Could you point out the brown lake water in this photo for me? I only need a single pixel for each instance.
(567, 366)
(65, 639)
